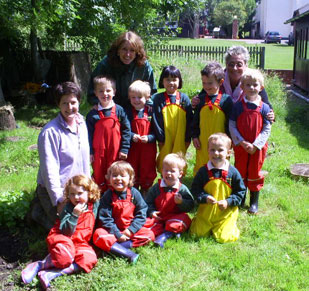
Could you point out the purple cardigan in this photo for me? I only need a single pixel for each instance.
(63, 154)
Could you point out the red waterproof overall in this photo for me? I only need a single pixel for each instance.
(249, 124)
(210, 219)
(212, 120)
(65, 250)
(123, 214)
(142, 156)
(106, 145)
(172, 218)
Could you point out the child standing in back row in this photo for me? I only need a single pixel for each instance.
(108, 130)
(172, 115)
(143, 149)
(218, 189)
(212, 113)
(250, 130)
(68, 241)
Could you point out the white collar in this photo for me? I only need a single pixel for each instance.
(224, 167)
(163, 184)
(255, 102)
(100, 107)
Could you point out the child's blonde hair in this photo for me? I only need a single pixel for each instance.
(141, 87)
(221, 136)
(100, 79)
(175, 159)
(121, 167)
(90, 186)
(253, 74)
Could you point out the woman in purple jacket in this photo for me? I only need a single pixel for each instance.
(63, 151)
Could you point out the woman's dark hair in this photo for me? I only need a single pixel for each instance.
(170, 71)
(66, 88)
(135, 41)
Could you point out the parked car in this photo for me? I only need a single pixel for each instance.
(272, 36)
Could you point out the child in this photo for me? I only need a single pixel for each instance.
(212, 113)
(172, 115)
(218, 189)
(250, 130)
(68, 241)
(169, 200)
(122, 214)
(108, 130)
(143, 150)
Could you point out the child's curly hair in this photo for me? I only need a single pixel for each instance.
(121, 167)
(89, 185)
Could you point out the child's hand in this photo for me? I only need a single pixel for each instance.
(195, 101)
(271, 116)
(222, 204)
(155, 215)
(178, 198)
(251, 149)
(136, 137)
(122, 156)
(79, 208)
(196, 143)
(127, 233)
(211, 200)
(123, 238)
(245, 145)
(144, 138)
(91, 159)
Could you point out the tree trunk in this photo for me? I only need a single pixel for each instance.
(2, 100)
(7, 119)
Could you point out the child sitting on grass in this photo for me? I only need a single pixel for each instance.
(218, 189)
(68, 241)
(143, 149)
(122, 215)
(211, 115)
(169, 200)
(108, 130)
(250, 130)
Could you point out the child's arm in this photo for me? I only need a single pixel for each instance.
(197, 188)
(238, 188)
(140, 212)
(68, 220)
(158, 104)
(187, 103)
(90, 122)
(227, 107)
(195, 127)
(125, 128)
(152, 194)
(187, 200)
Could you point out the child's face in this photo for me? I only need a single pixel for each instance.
(217, 152)
(211, 85)
(251, 88)
(171, 84)
(120, 181)
(105, 93)
(171, 174)
(137, 100)
(77, 194)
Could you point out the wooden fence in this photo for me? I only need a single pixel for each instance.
(207, 53)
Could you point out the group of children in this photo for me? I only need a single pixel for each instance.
(128, 216)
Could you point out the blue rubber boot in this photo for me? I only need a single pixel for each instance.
(162, 238)
(254, 202)
(119, 250)
(127, 244)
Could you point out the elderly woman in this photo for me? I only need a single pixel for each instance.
(236, 61)
(126, 62)
(64, 152)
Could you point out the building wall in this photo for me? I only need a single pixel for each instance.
(273, 13)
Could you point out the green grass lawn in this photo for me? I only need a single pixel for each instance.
(277, 56)
(271, 254)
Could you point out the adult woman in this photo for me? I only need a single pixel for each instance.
(126, 62)
(64, 152)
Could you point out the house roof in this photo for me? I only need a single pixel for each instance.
(297, 16)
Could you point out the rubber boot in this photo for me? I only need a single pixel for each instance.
(127, 244)
(47, 276)
(162, 238)
(254, 202)
(243, 201)
(32, 269)
(119, 250)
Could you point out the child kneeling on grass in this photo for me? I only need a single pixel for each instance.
(218, 189)
(169, 200)
(68, 241)
(122, 215)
